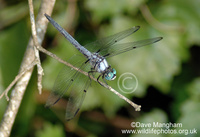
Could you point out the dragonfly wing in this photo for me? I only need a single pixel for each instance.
(77, 95)
(103, 43)
(124, 47)
(65, 79)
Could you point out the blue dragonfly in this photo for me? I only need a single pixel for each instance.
(94, 60)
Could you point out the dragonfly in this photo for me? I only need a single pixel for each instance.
(93, 61)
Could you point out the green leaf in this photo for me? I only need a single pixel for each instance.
(190, 116)
(155, 115)
(51, 131)
(194, 89)
(182, 14)
(102, 9)
(13, 42)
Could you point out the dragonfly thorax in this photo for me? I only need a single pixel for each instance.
(99, 63)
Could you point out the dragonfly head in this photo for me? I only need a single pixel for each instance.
(110, 74)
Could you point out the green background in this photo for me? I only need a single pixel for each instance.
(167, 72)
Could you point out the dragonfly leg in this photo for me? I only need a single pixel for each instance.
(101, 75)
(104, 80)
(98, 79)
(92, 72)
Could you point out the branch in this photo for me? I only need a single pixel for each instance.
(36, 43)
(15, 80)
(18, 91)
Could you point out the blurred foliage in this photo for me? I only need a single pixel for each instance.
(51, 131)
(168, 71)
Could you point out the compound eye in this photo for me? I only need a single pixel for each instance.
(110, 75)
(114, 71)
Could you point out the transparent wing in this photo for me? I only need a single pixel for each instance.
(124, 47)
(65, 79)
(103, 43)
(77, 95)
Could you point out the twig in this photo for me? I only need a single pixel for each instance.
(15, 80)
(18, 91)
(35, 41)
(137, 107)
